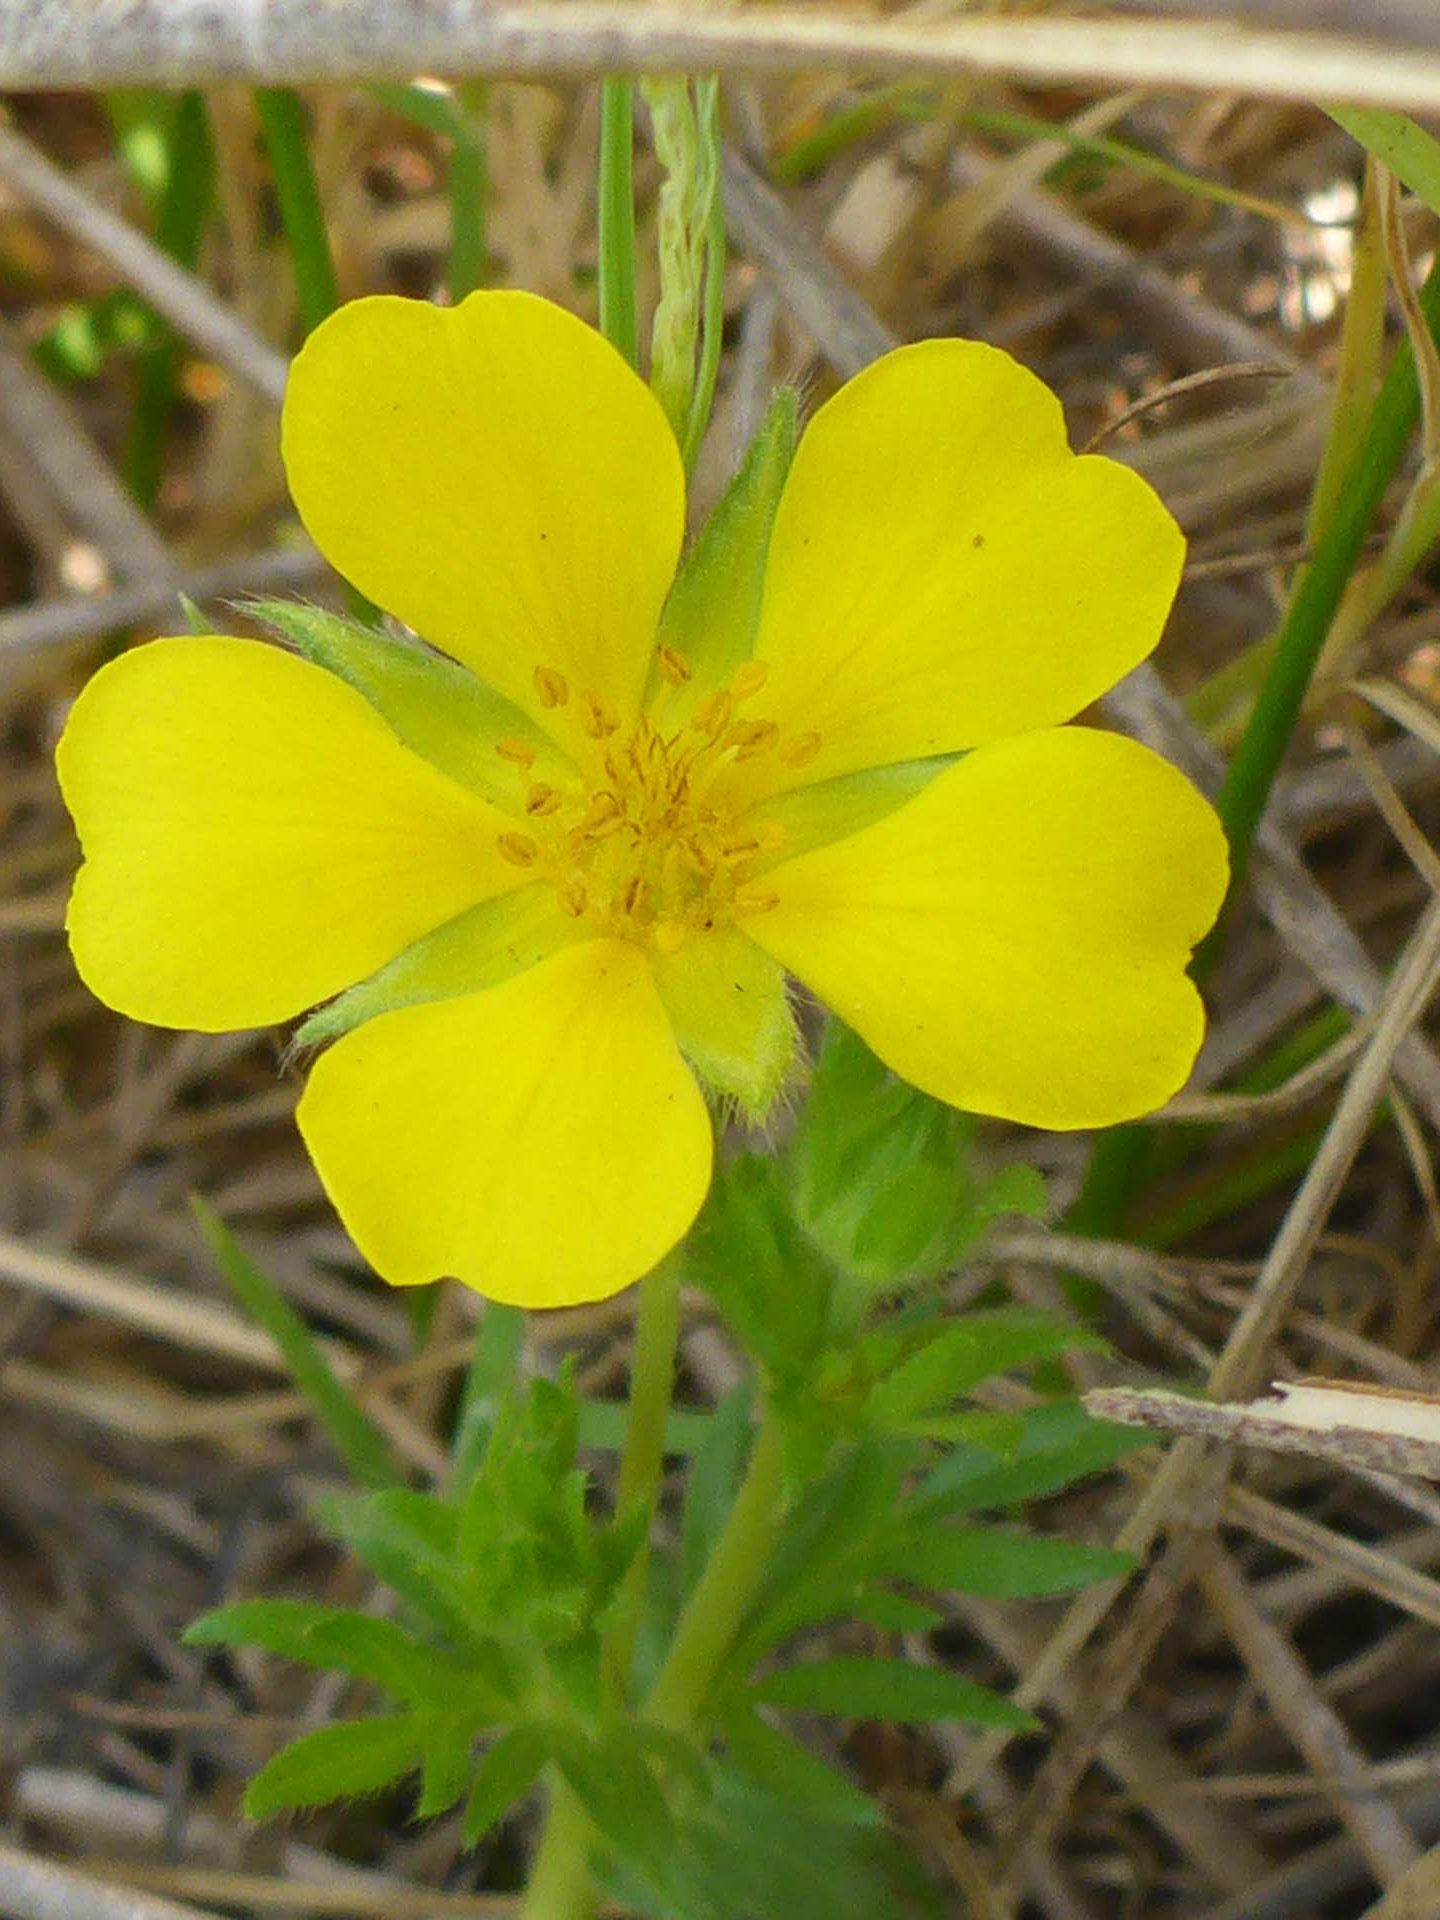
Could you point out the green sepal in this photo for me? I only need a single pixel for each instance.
(440, 710)
(729, 1006)
(713, 612)
(477, 949)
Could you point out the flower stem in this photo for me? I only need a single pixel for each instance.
(652, 1385)
(560, 1886)
(728, 1585)
(282, 121)
(616, 193)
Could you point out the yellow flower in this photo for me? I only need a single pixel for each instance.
(600, 864)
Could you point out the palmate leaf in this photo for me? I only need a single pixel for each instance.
(337, 1763)
(861, 1688)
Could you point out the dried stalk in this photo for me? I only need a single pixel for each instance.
(106, 43)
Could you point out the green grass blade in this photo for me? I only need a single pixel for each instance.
(359, 1442)
(616, 192)
(282, 122)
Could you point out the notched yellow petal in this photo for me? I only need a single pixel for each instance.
(255, 836)
(1014, 939)
(543, 1142)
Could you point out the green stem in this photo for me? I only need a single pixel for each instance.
(560, 1887)
(616, 194)
(179, 227)
(726, 1589)
(282, 122)
(1318, 593)
(652, 1386)
(469, 190)
(712, 321)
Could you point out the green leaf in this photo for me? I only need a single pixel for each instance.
(337, 1763)
(710, 1485)
(968, 1350)
(494, 1364)
(1411, 154)
(750, 1256)
(713, 611)
(506, 1772)
(445, 1769)
(360, 1644)
(870, 1689)
(1060, 1443)
(1001, 1565)
(359, 1442)
(440, 710)
(779, 1762)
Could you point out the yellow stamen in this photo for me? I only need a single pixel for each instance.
(519, 752)
(672, 666)
(801, 750)
(712, 715)
(541, 801)
(551, 687)
(573, 899)
(771, 835)
(750, 737)
(749, 679)
(519, 849)
(600, 719)
(756, 902)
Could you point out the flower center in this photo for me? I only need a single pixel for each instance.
(645, 846)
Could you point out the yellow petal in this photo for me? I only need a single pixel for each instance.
(255, 836)
(1013, 940)
(543, 1142)
(731, 1014)
(944, 571)
(496, 476)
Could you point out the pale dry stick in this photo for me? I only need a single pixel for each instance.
(1177, 389)
(1352, 1564)
(77, 473)
(1189, 329)
(814, 289)
(35, 1889)
(1414, 1896)
(1253, 1426)
(203, 1326)
(75, 43)
(1305, 918)
(1133, 1751)
(1238, 1368)
(266, 1892)
(1314, 1727)
(1410, 22)
(181, 297)
(85, 617)
(1104, 1693)
(1302, 1086)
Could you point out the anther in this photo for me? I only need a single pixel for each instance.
(600, 720)
(541, 801)
(573, 899)
(672, 666)
(632, 894)
(712, 715)
(519, 752)
(551, 687)
(519, 849)
(801, 750)
(602, 816)
(751, 737)
(771, 836)
(756, 902)
(749, 679)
